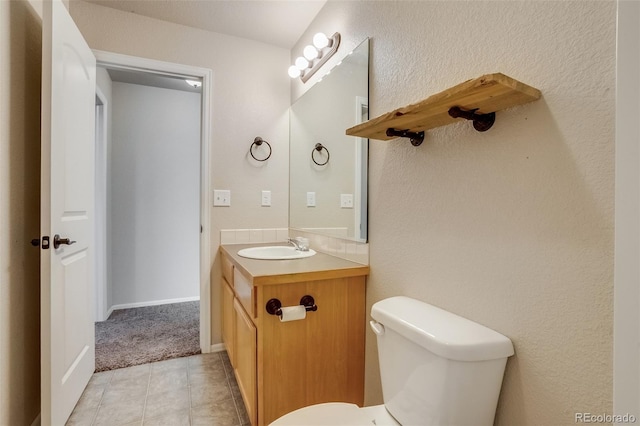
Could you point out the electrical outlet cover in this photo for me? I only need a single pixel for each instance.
(221, 197)
(266, 198)
(346, 201)
(311, 199)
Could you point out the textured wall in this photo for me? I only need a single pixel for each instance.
(512, 228)
(250, 98)
(20, 65)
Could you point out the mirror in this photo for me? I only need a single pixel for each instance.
(328, 169)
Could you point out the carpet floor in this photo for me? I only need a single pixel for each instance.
(152, 333)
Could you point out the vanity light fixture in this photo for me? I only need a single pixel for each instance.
(194, 83)
(310, 52)
(314, 56)
(321, 41)
(302, 64)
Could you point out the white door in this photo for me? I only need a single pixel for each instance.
(68, 114)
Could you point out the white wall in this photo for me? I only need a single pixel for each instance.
(20, 74)
(250, 98)
(512, 228)
(155, 176)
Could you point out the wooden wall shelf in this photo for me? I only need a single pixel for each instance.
(481, 97)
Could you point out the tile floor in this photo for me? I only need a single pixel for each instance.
(195, 390)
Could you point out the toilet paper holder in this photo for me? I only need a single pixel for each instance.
(274, 305)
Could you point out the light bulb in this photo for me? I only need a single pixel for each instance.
(310, 52)
(320, 41)
(194, 83)
(302, 63)
(294, 71)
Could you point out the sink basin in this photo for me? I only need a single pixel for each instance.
(275, 253)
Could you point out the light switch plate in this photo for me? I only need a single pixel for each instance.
(311, 199)
(266, 198)
(346, 201)
(221, 197)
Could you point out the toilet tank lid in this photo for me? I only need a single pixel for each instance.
(443, 333)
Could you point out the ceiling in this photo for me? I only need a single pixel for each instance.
(276, 22)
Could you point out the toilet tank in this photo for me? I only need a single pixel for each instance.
(437, 368)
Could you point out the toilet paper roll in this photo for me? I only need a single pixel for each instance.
(293, 313)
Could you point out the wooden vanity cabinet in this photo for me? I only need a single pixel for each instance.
(245, 360)
(283, 366)
(228, 320)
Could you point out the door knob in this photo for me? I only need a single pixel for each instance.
(57, 241)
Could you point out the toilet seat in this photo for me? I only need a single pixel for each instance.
(337, 414)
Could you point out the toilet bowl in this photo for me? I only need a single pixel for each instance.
(436, 368)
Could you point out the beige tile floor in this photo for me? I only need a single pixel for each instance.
(195, 390)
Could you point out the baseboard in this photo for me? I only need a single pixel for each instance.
(109, 312)
(37, 421)
(218, 347)
(151, 303)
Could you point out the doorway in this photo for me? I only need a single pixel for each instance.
(101, 207)
(188, 243)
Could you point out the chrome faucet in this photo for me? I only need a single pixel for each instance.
(299, 244)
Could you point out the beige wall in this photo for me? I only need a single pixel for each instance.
(20, 64)
(250, 98)
(512, 228)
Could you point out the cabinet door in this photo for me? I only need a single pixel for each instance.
(316, 360)
(245, 358)
(228, 321)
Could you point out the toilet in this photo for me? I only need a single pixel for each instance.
(436, 368)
